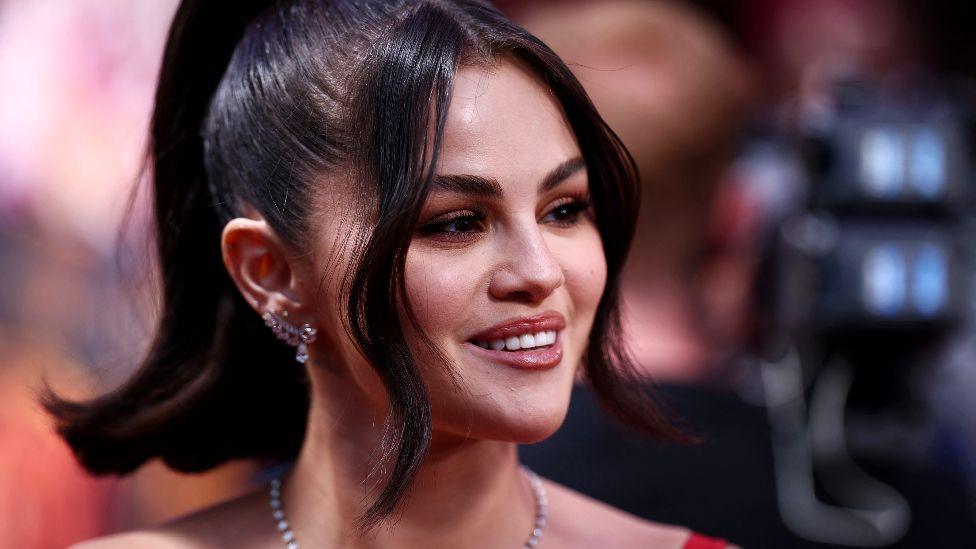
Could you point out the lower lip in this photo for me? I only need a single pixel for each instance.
(543, 358)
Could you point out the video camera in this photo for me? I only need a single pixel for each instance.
(867, 275)
(882, 245)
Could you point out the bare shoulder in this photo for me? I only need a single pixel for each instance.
(139, 538)
(240, 522)
(581, 521)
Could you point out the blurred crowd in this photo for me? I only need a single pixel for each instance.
(710, 96)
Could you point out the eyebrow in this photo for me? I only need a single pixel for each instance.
(490, 188)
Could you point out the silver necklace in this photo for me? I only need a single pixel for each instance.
(541, 510)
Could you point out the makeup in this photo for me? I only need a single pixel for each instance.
(529, 343)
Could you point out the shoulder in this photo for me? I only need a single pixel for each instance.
(149, 539)
(241, 522)
(605, 526)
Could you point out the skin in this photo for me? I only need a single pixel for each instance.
(529, 253)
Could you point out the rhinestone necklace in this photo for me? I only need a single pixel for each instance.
(541, 510)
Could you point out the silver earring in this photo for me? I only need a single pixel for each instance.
(291, 335)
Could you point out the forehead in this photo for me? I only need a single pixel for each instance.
(504, 123)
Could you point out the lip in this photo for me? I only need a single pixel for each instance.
(529, 359)
(522, 325)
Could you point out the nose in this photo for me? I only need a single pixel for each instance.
(527, 271)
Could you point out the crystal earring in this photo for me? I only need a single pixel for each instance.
(291, 335)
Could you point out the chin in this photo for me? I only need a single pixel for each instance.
(532, 432)
(517, 424)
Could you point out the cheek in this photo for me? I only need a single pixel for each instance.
(586, 274)
(440, 289)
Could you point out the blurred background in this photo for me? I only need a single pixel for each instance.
(800, 291)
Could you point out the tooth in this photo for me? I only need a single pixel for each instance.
(541, 339)
(527, 341)
(551, 336)
(512, 344)
(497, 344)
(483, 344)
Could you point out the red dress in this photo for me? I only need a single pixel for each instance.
(698, 541)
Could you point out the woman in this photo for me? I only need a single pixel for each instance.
(420, 199)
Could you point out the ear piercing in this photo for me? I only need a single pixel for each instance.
(291, 335)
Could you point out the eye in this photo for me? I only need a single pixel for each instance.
(568, 210)
(458, 225)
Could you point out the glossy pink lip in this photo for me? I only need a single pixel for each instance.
(540, 358)
(523, 325)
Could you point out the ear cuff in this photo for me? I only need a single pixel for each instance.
(298, 337)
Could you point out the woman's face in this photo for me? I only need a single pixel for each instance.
(506, 249)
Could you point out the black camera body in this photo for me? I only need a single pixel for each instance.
(882, 244)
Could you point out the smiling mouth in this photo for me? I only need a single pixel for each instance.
(528, 341)
(542, 350)
(523, 343)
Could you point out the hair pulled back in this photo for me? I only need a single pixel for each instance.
(254, 100)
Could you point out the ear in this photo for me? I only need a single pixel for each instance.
(261, 265)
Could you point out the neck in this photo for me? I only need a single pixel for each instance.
(465, 489)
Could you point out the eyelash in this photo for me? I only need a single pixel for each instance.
(575, 206)
(572, 206)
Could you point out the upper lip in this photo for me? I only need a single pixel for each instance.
(550, 321)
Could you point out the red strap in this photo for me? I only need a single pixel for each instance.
(698, 541)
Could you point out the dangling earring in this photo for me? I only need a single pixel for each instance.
(291, 335)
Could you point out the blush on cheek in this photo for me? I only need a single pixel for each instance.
(590, 275)
(586, 278)
(439, 291)
(443, 290)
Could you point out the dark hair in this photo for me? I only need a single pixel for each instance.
(254, 99)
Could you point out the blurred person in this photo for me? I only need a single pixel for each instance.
(672, 85)
(420, 201)
(806, 46)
